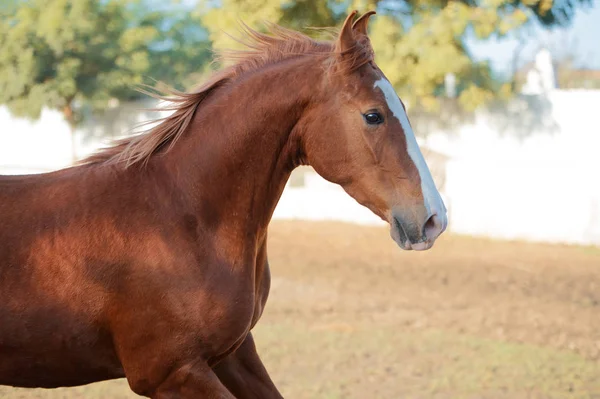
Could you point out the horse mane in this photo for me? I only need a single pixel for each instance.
(260, 50)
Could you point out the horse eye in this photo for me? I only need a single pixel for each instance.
(373, 118)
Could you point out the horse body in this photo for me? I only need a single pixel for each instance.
(116, 263)
(41, 312)
(89, 284)
(157, 270)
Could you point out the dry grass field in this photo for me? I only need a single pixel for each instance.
(352, 316)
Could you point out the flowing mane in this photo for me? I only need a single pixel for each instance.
(260, 50)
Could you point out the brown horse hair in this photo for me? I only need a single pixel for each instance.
(260, 50)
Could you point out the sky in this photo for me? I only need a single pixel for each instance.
(581, 38)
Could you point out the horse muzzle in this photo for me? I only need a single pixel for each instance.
(417, 233)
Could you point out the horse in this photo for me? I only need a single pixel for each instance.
(148, 260)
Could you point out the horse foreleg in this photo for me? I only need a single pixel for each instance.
(192, 381)
(243, 373)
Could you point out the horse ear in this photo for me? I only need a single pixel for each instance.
(360, 25)
(346, 40)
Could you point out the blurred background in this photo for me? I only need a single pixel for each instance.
(503, 96)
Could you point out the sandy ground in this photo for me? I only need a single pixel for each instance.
(352, 316)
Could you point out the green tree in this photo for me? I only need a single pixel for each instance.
(75, 54)
(417, 42)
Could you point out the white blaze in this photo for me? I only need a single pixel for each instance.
(431, 196)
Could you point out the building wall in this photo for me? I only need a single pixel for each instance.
(45, 144)
(536, 181)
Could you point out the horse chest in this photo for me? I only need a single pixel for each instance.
(262, 287)
(244, 301)
(214, 309)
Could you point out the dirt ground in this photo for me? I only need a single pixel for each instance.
(352, 316)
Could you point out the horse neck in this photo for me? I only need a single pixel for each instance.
(241, 147)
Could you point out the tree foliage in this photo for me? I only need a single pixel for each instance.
(417, 42)
(70, 54)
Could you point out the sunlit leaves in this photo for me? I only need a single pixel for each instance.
(417, 42)
(473, 96)
(225, 20)
(56, 53)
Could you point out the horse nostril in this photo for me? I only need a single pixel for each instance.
(433, 227)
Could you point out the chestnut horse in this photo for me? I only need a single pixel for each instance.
(148, 260)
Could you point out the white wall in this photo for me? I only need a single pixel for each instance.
(321, 200)
(537, 185)
(30, 147)
(46, 144)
